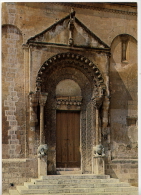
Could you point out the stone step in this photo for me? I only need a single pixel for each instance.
(13, 192)
(30, 185)
(74, 181)
(95, 193)
(24, 190)
(68, 172)
(79, 184)
(76, 176)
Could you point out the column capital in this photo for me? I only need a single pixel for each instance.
(43, 98)
(25, 46)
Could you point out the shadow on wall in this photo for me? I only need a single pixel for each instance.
(123, 89)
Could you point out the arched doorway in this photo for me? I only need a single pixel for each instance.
(75, 94)
(68, 93)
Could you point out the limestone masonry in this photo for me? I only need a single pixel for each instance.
(69, 92)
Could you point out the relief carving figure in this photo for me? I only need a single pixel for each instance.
(42, 150)
(98, 150)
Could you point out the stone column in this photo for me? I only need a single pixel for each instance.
(97, 104)
(26, 92)
(98, 162)
(33, 101)
(42, 101)
(105, 127)
(97, 126)
(42, 149)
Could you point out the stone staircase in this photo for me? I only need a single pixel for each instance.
(77, 184)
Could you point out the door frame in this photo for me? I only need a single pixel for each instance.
(77, 111)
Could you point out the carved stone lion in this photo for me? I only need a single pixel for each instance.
(42, 150)
(98, 150)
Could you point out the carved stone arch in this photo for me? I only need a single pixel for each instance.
(78, 68)
(122, 42)
(79, 61)
(123, 34)
(11, 28)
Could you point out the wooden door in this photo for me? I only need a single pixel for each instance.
(68, 139)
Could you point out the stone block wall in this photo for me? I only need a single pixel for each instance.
(125, 170)
(22, 21)
(17, 171)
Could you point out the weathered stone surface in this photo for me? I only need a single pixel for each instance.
(93, 53)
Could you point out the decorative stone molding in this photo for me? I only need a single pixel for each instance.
(68, 23)
(75, 57)
(76, 63)
(98, 95)
(98, 8)
(69, 103)
(71, 27)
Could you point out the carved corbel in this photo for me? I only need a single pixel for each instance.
(43, 98)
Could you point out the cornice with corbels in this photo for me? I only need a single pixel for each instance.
(98, 8)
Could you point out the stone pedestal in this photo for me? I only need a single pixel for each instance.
(98, 165)
(42, 166)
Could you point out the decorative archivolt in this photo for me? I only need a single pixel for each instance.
(63, 56)
(88, 66)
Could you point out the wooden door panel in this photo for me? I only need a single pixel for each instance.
(68, 139)
(61, 139)
(77, 136)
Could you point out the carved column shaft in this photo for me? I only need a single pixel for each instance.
(97, 126)
(105, 116)
(42, 101)
(97, 104)
(42, 162)
(41, 124)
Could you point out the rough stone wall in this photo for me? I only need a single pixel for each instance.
(123, 109)
(17, 171)
(126, 170)
(24, 20)
(13, 89)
